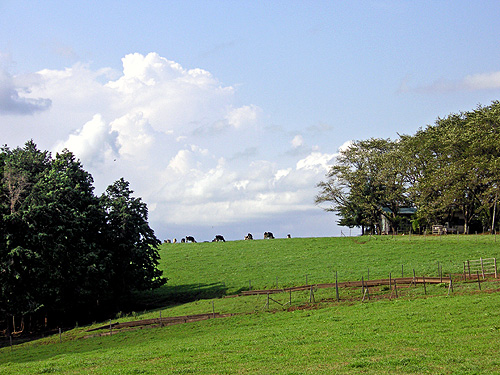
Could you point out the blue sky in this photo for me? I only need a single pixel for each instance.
(224, 115)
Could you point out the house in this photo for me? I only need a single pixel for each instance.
(404, 215)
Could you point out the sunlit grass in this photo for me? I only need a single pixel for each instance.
(438, 335)
(431, 330)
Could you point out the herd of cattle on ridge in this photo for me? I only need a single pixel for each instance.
(220, 238)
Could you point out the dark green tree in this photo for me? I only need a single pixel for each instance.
(20, 169)
(133, 244)
(62, 247)
(364, 180)
(452, 167)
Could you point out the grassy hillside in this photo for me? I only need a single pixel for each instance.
(204, 270)
(417, 334)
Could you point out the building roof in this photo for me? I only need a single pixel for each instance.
(402, 210)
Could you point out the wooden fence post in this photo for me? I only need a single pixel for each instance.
(364, 289)
(311, 296)
(337, 287)
(390, 285)
(425, 289)
(478, 280)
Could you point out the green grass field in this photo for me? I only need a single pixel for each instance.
(414, 334)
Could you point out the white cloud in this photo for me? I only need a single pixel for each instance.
(135, 136)
(94, 142)
(242, 116)
(346, 145)
(483, 81)
(316, 161)
(176, 134)
(473, 82)
(297, 141)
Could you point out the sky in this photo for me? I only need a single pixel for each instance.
(225, 115)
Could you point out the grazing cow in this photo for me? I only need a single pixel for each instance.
(268, 235)
(183, 240)
(219, 238)
(190, 239)
(288, 236)
(167, 241)
(175, 240)
(249, 236)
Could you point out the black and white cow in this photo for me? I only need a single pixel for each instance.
(249, 236)
(219, 238)
(268, 235)
(190, 239)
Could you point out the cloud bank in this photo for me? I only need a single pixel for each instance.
(194, 156)
(13, 99)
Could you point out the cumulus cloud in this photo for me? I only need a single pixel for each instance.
(177, 135)
(94, 142)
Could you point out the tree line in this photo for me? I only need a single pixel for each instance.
(446, 170)
(63, 250)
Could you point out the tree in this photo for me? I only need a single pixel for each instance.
(133, 244)
(363, 181)
(62, 247)
(20, 169)
(453, 166)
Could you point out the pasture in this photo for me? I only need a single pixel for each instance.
(413, 334)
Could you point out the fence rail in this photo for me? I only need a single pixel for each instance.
(348, 284)
(482, 266)
(161, 321)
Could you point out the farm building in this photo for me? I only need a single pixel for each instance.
(404, 220)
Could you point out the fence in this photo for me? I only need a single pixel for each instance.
(483, 267)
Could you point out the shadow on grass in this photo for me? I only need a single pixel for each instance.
(176, 294)
(164, 296)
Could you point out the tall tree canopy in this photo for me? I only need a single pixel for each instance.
(447, 169)
(62, 247)
(363, 181)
